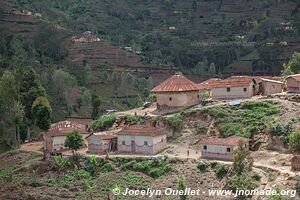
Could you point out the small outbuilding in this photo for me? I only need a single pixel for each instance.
(221, 148)
(293, 83)
(102, 142)
(271, 86)
(142, 139)
(176, 91)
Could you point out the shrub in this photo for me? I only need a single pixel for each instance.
(133, 119)
(294, 141)
(203, 166)
(241, 182)
(175, 122)
(256, 176)
(107, 167)
(61, 163)
(220, 170)
(104, 123)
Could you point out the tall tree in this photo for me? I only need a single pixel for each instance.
(42, 111)
(29, 89)
(96, 101)
(242, 161)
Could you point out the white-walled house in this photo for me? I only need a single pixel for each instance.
(55, 137)
(269, 86)
(142, 139)
(293, 83)
(235, 87)
(221, 148)
(102, 142)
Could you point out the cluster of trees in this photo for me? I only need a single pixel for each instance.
(23, 105)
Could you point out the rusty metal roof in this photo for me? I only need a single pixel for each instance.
(176, 83)
(230, 141)
(233, 81)
(62, 128)
(295, 76)
(105, 135)
(206, 85)
(140, 130)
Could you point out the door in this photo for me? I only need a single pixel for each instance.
(132, 145)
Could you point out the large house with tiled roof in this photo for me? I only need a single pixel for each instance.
(235, 87)
(293, 83)
(55, 137)
(177, 91)
(142, 139)
(221, 148)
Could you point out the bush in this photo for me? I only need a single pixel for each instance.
(61, 163)
(107, 167)
(203, 166)
(220, 170)
(256, 176)
(294, 141)
(133, 119)
(241, 182)
(175, 122)
(104, 123)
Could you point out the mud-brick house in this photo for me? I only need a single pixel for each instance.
(221, 148)
(293, 83)
(142, 139)
(177, 91)
(102, 142)
(55, 137)
(269, 86)
(295, 163)
(235, 87)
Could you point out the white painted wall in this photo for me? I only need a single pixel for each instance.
(58, 142)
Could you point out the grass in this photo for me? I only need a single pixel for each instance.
(245, 119)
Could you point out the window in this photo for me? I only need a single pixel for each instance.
(228, 89)
(123, 142)
(205, 147)
(245, 89)
(145, 143)
(228, 149)
(170, 98)
(198, 96)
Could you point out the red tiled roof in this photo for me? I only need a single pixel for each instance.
(230, 141)
(295, 76)
(139, 130)
(206, 85)
(176, 83)
(233, 81)
(105, 135)
(62, 128)
(80, 120)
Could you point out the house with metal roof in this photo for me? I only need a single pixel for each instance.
(293, 83)
(54, 138)
(221, 148)
(176, 91)
(142, 139)
(102, 142)
(235, 87)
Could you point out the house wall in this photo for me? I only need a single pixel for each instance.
(154, 145)
(98, 146)
(234, 93)
(292, 85)
(219, 152)
(271, 88)
(178, 99)
(58, 143)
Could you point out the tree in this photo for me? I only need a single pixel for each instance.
(96, 101)
(74, 141)
(42, 112)
(212, 69)
(242, 161)
(294, 64)
(29, 89)
(294, 141)
(181, 186)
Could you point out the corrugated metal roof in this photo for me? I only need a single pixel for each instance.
(140, 130)
(105, 135)
(230, 141)
(295, 76)
(206, 85)
(62, 128)
(233, 81)
(176, 83)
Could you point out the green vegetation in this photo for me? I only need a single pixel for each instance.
(42, 111)
(294, 141)
(246, 119)
(279, 129)
(154, 168)
(175, 122)
(133, 119)
(104, 123)
(220, 170)
(293, 66)
(74, 141)
(181, 186)
(203, 165)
